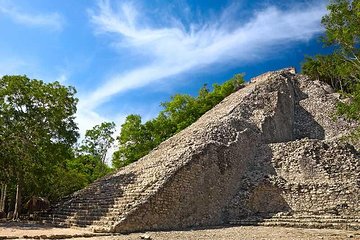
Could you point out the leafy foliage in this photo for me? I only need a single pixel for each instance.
(332, 69)
(98, 140)
(88, 164)
(342, 24)
(37, 130)
(137, 139)
(37, 137)
(342, 68)
(352, 110)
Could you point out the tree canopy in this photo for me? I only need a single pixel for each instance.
(37, 129)
(342, 24)
(98, 140)
(90, 156)
(341, 69)
(38, 137)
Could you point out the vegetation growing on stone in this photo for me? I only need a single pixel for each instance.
(341, 69)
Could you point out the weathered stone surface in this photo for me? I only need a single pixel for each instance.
(315, 112)
(313, 177)
(267, 149)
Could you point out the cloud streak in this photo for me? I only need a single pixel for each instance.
(175, 50)
(53, 21)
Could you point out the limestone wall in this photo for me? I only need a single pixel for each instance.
(315, 111)
(240, 159)
(320, 176)
(197, 193)
(307, 176)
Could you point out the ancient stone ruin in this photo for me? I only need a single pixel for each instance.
(271, 154)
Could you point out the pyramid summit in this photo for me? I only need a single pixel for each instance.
(271, 153)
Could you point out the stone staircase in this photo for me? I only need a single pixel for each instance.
(303, 221)
(109, 199)
(246, 155)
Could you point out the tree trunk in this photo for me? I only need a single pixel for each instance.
(17, 201)
(3, 197)
(332, 83)
(341, 86)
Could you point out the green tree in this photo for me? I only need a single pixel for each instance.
(88, 166)
(98, 140)
(342, 24)
(160, 129)
(331, 69)
(37, 129)
(181, 110)
(64, 180)
(134, 142)
(352, 110)
(342, 30)
(341, 68)
(89, 162)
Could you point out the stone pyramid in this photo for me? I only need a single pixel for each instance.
(270, 154)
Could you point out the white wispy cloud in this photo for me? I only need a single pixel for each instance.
(53, 21)
(176, 48)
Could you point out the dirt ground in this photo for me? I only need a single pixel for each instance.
(242, 233)
(29, 230)
(9, 230)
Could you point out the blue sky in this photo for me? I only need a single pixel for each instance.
(126, 57)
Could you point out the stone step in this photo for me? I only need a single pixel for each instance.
(87, 211)
(305, 222)
(69, 222)
(317, 220)
(95, 226)
(101, 229)
(101, 202)
(348, 226)
(85, 219)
